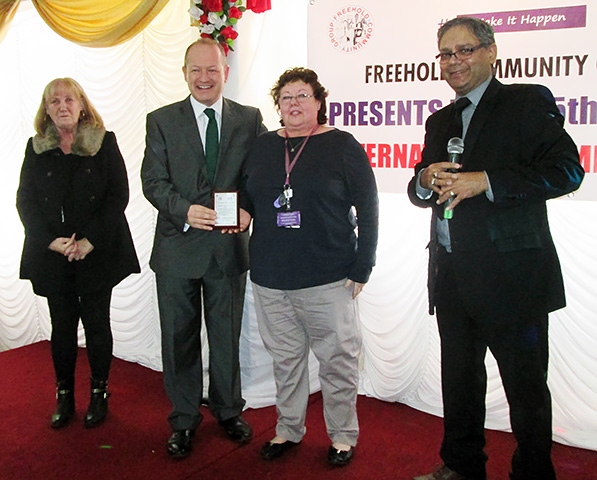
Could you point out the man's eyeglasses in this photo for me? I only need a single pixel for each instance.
(460, 54)
(300, 98)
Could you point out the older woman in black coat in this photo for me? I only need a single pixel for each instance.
(71, 199)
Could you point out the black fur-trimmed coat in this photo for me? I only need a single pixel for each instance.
(84, 192)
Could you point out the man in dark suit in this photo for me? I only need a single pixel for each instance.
(195, 264)
(494, 273)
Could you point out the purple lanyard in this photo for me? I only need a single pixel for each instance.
(287, 163)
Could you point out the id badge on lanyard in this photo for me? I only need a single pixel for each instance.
(289, 218)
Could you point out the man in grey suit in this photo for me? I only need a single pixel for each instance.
(197, 265)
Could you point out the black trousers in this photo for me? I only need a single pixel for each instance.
(519, 344)
(93, 309)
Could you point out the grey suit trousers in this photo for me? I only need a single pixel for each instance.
(180, 304)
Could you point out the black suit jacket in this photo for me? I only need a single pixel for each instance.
(502, 251)
(174, 176)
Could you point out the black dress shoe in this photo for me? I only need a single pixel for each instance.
(180, 443)
(237, 429)
(339, 458)
(270, 450)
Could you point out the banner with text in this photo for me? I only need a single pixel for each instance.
(377, 59)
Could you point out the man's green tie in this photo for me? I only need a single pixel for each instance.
(211, 142)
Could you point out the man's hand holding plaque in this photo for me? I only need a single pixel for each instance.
(228, 214)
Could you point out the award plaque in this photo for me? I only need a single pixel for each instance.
(226, 207)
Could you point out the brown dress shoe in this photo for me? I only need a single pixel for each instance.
(442, 473)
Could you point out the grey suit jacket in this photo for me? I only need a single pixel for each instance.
(174, 176)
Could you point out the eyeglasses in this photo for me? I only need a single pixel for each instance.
(460, 54)
(300, 98)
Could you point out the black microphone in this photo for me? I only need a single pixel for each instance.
(455, 149)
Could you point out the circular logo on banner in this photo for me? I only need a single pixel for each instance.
(350, 29)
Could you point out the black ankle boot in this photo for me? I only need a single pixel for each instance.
(65, 404)
(98, 405)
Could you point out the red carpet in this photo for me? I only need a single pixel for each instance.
(397, 442)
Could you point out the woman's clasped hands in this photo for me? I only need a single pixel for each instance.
(71, 247)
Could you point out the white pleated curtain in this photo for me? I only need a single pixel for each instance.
(400, 360)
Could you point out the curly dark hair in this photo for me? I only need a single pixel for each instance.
(300, 74)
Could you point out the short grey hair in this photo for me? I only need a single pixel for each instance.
(479, 28)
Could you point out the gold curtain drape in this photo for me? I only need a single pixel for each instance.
(8, 8)
(90, 23)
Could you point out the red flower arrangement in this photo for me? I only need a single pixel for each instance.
(216, 19)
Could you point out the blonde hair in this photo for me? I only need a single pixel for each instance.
(89, 115)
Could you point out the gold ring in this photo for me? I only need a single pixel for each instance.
(451, 193)
(434, 174)
(433, 181)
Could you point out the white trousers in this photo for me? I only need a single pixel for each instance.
(323, 318)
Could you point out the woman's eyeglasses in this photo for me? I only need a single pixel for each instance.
(300, 98)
